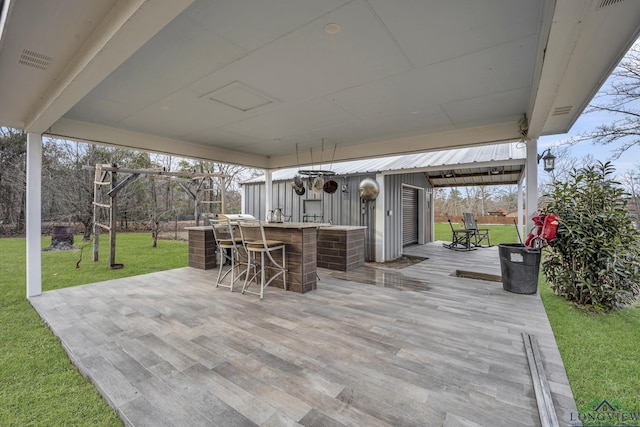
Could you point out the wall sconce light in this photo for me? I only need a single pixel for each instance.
(549, 160)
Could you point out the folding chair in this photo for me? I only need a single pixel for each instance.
(479, 234)
(460, 238)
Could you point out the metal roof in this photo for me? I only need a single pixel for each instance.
(482, 165)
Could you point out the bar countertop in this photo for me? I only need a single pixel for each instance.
(294, 225)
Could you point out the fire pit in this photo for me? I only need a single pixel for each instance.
(61, 239)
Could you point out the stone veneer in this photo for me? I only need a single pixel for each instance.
(341, 247)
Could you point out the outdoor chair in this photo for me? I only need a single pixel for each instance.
(460, 238)
(479, 234)
(231, 251)
(260, 252)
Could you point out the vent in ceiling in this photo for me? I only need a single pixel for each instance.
(35, 60)
(605, 3)
(239, 96)
(561, 111)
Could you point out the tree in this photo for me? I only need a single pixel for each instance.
(631, 182)
(620, 96)
(595, 259)
(13, 153)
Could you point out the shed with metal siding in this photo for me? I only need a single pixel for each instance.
(483, 165)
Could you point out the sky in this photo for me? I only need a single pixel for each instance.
(585, 123)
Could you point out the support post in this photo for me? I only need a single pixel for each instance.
(521, 226)
(96, 214)
(268, 196)
(112, 220)
(380, 219)
(34, 214)
(531, 205)
(223, 195)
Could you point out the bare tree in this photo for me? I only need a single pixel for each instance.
(13, 151)
(631, 183)
(619, 96)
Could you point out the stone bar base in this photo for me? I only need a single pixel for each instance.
(341, 247)
(202, 248)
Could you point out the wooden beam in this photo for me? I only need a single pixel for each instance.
(158, 172)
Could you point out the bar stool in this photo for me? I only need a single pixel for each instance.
(256, 243)
(230, 248)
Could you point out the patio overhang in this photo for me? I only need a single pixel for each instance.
(245, 82)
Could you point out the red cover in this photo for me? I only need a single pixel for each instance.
(546, 226)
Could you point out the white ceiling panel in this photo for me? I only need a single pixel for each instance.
(182, 114)
(252, 24)
(497, 69)
(499, 107)
(293, 119)
(434, 31)
(309, 63)
(100, 111)
(179, 54)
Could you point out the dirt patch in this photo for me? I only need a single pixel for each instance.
(402, 262)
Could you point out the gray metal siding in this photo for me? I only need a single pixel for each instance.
(346, 208)
(339, 208)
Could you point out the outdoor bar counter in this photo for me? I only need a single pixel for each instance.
(341, 247)
(308, 246)
(301, 239)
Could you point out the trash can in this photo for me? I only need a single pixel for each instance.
(520, 266)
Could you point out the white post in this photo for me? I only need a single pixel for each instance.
(432, 215)
(34, 230)
(532, 181)
(521, 228)
(268, 193)
(380, 220)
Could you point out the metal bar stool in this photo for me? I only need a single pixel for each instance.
(260, 259)
(231, 250)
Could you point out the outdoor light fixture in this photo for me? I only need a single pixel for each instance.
(549, 160)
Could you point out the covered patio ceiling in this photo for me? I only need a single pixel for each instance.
(248, 82)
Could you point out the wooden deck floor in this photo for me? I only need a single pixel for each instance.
(169, 349)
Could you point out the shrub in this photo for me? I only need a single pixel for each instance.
(594, 259)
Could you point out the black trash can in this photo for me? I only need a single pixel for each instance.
(520, 266)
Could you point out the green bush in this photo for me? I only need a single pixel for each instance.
(594, 259)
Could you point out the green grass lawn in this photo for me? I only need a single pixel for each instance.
(601, 352)
(497, 233)
(39, 384)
